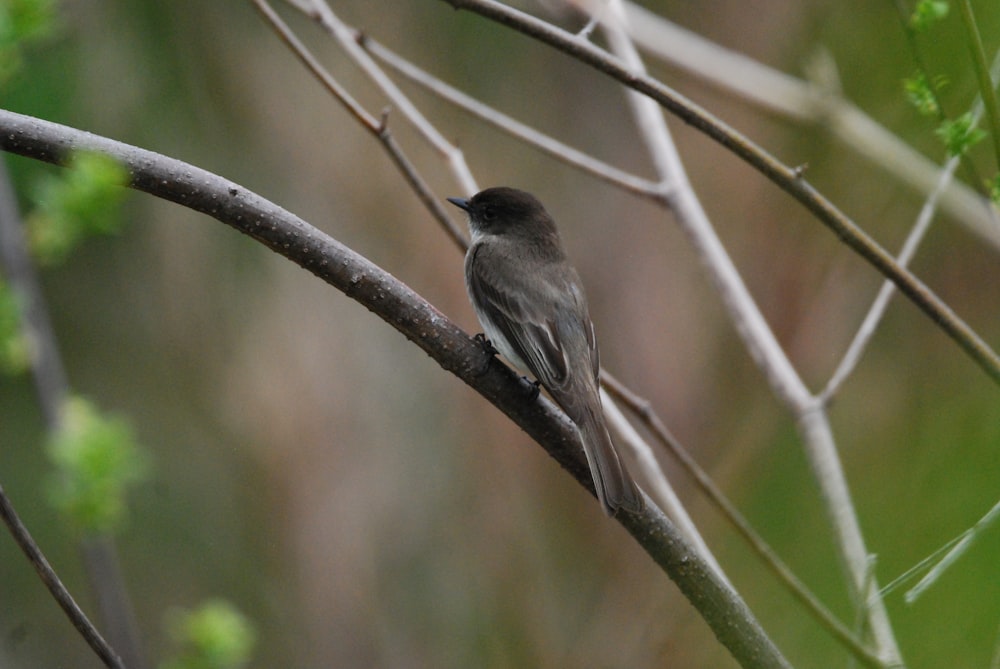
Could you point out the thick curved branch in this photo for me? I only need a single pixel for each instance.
(421, 323)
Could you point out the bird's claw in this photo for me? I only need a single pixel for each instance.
(534, 387)
(486, 344)
(488, 349)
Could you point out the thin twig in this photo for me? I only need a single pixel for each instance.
(348, 41)
(55, 586)
(802, 101)
(643, 409)
(878, 308)
(787, 178)
(515, 128)
(961, 545)
(313, 65)
(52, 388)
(921, 566)
(875, 313)
(655, 483)
(378, 128)
(979, 66)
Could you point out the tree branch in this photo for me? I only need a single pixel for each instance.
(531, 136)
(878, 308)
(753, 329)
(52, 386)
(352, 41)
(59, 592)
(402, 308)
(642, 408)
(803, 101)
(380, 129)
(787, 178)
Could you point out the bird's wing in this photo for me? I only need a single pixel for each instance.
(527, 325)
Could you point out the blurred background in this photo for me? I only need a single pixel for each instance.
(364, 508)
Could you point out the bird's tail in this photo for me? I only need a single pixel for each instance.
(615, 487)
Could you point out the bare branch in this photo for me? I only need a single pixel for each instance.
(515, 128)
(804, 101)
(787, 178)
(349, 42)
(425, 326)
(653, 474)
(752, 327)
(644, 410)
(875, 313)
(59, 592)
(379, 128)
(53, 389)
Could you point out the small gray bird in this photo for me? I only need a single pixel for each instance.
(530, 302)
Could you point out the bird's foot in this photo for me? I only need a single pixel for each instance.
(488, 349)
(486, 344)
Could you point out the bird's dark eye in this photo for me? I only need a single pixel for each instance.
(488, 214)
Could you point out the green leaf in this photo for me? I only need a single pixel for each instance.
(921, 94)
(959, 135)
(927, 13)
(80, 203)
(96, 461)
(214, 636)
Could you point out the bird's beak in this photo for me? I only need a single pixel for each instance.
(459, 202)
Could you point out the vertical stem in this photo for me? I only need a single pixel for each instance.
(982, 74)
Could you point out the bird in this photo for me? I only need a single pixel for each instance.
(531, 304)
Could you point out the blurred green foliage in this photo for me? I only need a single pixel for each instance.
(22, 23)
(922, 94)
(80, 202)
(214, 636)
(926, 13)
(96, 461)
(960, 134)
